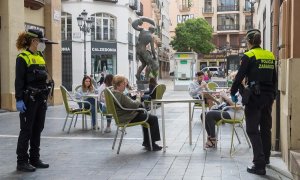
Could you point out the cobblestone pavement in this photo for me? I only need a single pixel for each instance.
(88, 154)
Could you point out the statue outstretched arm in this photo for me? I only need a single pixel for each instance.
(138, 22)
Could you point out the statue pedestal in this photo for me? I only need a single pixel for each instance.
(142, 85)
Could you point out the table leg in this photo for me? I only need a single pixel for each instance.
(203, 121)
(163, 126)
(151, 110)
(96, 113)
(102, 124)
(190, 124)
(82, 118)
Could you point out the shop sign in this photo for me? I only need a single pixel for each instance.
(183, 61)
(212, 56)
(103, 48)
(66, 46)
(183, 55)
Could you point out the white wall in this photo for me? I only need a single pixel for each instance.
(264, 5)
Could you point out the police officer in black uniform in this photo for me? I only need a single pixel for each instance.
(258, 66)
(31, 93)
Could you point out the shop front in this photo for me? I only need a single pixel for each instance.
(212, 59)
(104, 58)
(66, 58)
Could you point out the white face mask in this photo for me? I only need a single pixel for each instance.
(41, 46)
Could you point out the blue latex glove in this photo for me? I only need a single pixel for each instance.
(21, 106)
(234, 98)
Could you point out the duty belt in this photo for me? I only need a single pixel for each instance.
(34, 92)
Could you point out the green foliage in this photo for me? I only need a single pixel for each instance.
(193, 35)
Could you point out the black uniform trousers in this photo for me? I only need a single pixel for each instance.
(258, 126)
(31, 124)
(154, 127)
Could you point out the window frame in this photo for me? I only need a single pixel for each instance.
(100, 32)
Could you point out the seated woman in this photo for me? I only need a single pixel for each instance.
(106, 83)
(119, 84)
(150, 94)
(85, 89)
(214, 116)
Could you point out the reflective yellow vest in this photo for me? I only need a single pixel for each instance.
(36, 68)
(262, 65)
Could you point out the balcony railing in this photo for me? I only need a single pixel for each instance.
(112, 1)
(208, 10)
(133, 4)
(34, 4)
(184, 7)
(246, 27)
(228, 27)
(228, 8)
(140, 12)
(247, 9)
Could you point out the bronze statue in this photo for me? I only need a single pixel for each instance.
(147, 58)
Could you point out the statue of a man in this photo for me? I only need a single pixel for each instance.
(147, 58)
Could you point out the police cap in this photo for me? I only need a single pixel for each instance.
(39, 34)
(251, 32)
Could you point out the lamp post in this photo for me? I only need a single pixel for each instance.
(226, 49)
(84, 24)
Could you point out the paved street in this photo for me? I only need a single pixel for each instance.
(88, 154)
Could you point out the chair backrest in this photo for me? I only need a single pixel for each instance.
(65, 95)
(229, 83)
(160, 90)
(110, 104)
(77, 87)
(212, 86)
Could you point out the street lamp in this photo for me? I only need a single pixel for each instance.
(84, 24)
(226, 49)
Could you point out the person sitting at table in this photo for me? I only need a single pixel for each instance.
(119, 85)
(106, 83)
(150, 93)
(198, 86)
(86, 89)
(214, 115)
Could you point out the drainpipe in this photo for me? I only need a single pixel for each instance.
(275, 50)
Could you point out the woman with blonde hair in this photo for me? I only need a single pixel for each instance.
(119, 84)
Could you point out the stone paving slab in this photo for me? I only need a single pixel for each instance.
(88, 154)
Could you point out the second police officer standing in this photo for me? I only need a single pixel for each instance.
(32, 90)
(258, 66)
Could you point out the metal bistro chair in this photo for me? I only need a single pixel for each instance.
(235, 122)
(71, 112)
(212, 85)
(111, 103)
(159, 91)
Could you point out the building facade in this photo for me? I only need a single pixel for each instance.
(230, 20)
(38, 14)
(109, 42)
